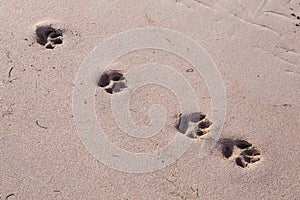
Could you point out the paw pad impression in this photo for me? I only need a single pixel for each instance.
(49, 36)
(248, 154)
(112, 81)
(193, 125)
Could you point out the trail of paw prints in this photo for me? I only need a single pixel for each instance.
(49, 36)
(297, 17)
(243, 152)
(112, 81)
(193, 125)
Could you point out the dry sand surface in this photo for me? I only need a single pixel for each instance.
(255, 45)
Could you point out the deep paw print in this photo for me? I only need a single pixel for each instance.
(193, 125)
(248, 154)
(49, 36)
(112, 81)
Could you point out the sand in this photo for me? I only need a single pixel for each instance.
(255, 45)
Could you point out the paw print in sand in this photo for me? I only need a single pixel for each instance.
(193, 125)
(250, 155)
(49, 36)
(112, 81)
(247, 153)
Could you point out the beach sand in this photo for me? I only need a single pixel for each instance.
(255, 46)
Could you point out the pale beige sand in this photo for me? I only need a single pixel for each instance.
(256, 47)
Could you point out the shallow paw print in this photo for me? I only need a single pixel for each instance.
(244, 153)
(49, 36)
(112, 81)
(193, 125)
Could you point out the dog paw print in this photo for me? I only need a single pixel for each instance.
(247, 153)
(297, 18)
(112, 81)
(49, 36)
(193, 125)
(250, 155)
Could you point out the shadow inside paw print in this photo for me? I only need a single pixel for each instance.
(248, 154)
(112, 81)
(49, 36)
(193, 125)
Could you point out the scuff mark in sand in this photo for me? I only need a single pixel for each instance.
(260, 8)
(287, 50)
(288, 71)
(205, 5)
(261, 26)
(277, 14)
(276, 56)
